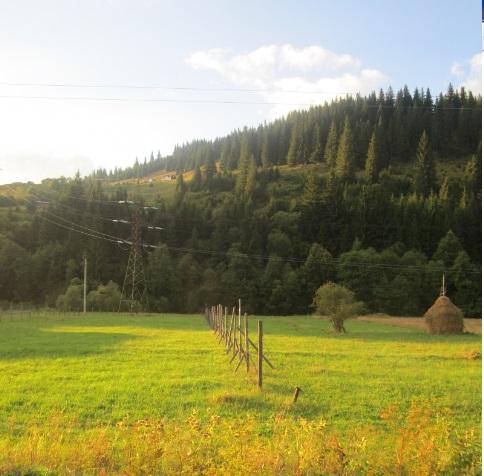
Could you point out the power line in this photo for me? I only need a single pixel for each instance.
(211, 101)
(82, 229)
(334, 261)
(187, 88)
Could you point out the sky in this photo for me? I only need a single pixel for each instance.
(135, 76)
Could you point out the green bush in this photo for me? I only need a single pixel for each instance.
(104, 298)
(72, 299)
(338, 303)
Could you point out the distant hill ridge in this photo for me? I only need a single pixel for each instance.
(452, 122)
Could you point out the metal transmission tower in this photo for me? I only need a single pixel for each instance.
(133, 296)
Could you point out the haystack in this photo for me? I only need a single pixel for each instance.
(444, 317)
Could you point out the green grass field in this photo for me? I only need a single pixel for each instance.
(100, 369)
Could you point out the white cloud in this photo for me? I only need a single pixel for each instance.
(469, 75)
(22, 167)
(293, 77)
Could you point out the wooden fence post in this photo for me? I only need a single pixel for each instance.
(240, 326)
(260, 353)
(225, 325)
(247, 341)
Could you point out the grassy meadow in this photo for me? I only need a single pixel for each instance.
(155, 394)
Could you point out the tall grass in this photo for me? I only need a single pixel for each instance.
(422, 442)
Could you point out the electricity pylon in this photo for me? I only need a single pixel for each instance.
(133, 295)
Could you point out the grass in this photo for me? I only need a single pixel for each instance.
(95, 371)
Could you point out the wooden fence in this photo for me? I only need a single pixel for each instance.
(233, 332)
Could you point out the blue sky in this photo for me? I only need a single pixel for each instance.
(314, 49)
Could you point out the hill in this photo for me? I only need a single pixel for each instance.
(381, 193)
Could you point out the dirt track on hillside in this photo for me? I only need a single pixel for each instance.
(473, 326)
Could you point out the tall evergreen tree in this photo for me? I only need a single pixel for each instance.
(210, 168)
(317, 149)
(371, 166)
(425, 175)
(250, 184)
(346, 157)
(196, 182)
(295, 154)
(331, 147)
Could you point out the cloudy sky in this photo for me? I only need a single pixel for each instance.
(97, 83)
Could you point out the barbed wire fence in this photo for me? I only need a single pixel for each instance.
(233, 332)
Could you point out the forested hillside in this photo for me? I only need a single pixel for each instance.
(380, 193)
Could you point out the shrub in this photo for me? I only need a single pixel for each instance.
(104, 298)
(72, 299)
(338, 303)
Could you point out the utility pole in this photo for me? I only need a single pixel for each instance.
(134, 286)
(85, 283)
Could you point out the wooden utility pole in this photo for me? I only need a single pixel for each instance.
(260, 353)
(85, 284)
(247, 341)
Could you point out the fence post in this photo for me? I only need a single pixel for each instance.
(240, 326)
(225, 325)
(247, 341)
(260, 353)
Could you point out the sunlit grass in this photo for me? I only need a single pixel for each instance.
(98, 370)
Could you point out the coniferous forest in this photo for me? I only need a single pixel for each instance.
(379, 193)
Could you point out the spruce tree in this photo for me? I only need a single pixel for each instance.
(250, 183)
(196, 182)
(312, 196)
(210, 168)
(331, 147)
(296, 145)
(473, 176)
(371, 166)
(444, 192)
(317, 149)
(425, 175)
(265, 151)
(346, 157)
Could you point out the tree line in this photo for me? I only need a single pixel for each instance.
(388, 123)
(383, 216)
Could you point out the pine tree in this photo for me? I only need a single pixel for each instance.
(210, 168)
(250, 183)
(346, 157)
(473, 176)
(317, 150)
(296, 145)
(448, 249)
(196, 182)
(371, 166)
(318, 269)
(312, 196)
(425, 175)
(331, 147)
(244, 150)
(444, 192)
(265, 150)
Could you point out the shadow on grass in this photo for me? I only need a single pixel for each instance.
(45, 343)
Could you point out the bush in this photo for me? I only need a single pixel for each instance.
(338, 303)
(104, 298)
(72, 299)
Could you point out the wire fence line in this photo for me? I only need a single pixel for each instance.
(233, 332)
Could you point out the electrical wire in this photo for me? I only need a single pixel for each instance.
(213, 101)
(334, 261)
(184, 88)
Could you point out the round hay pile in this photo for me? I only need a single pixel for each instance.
(444, 317)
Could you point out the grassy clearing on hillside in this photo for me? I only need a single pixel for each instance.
(80, 386)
